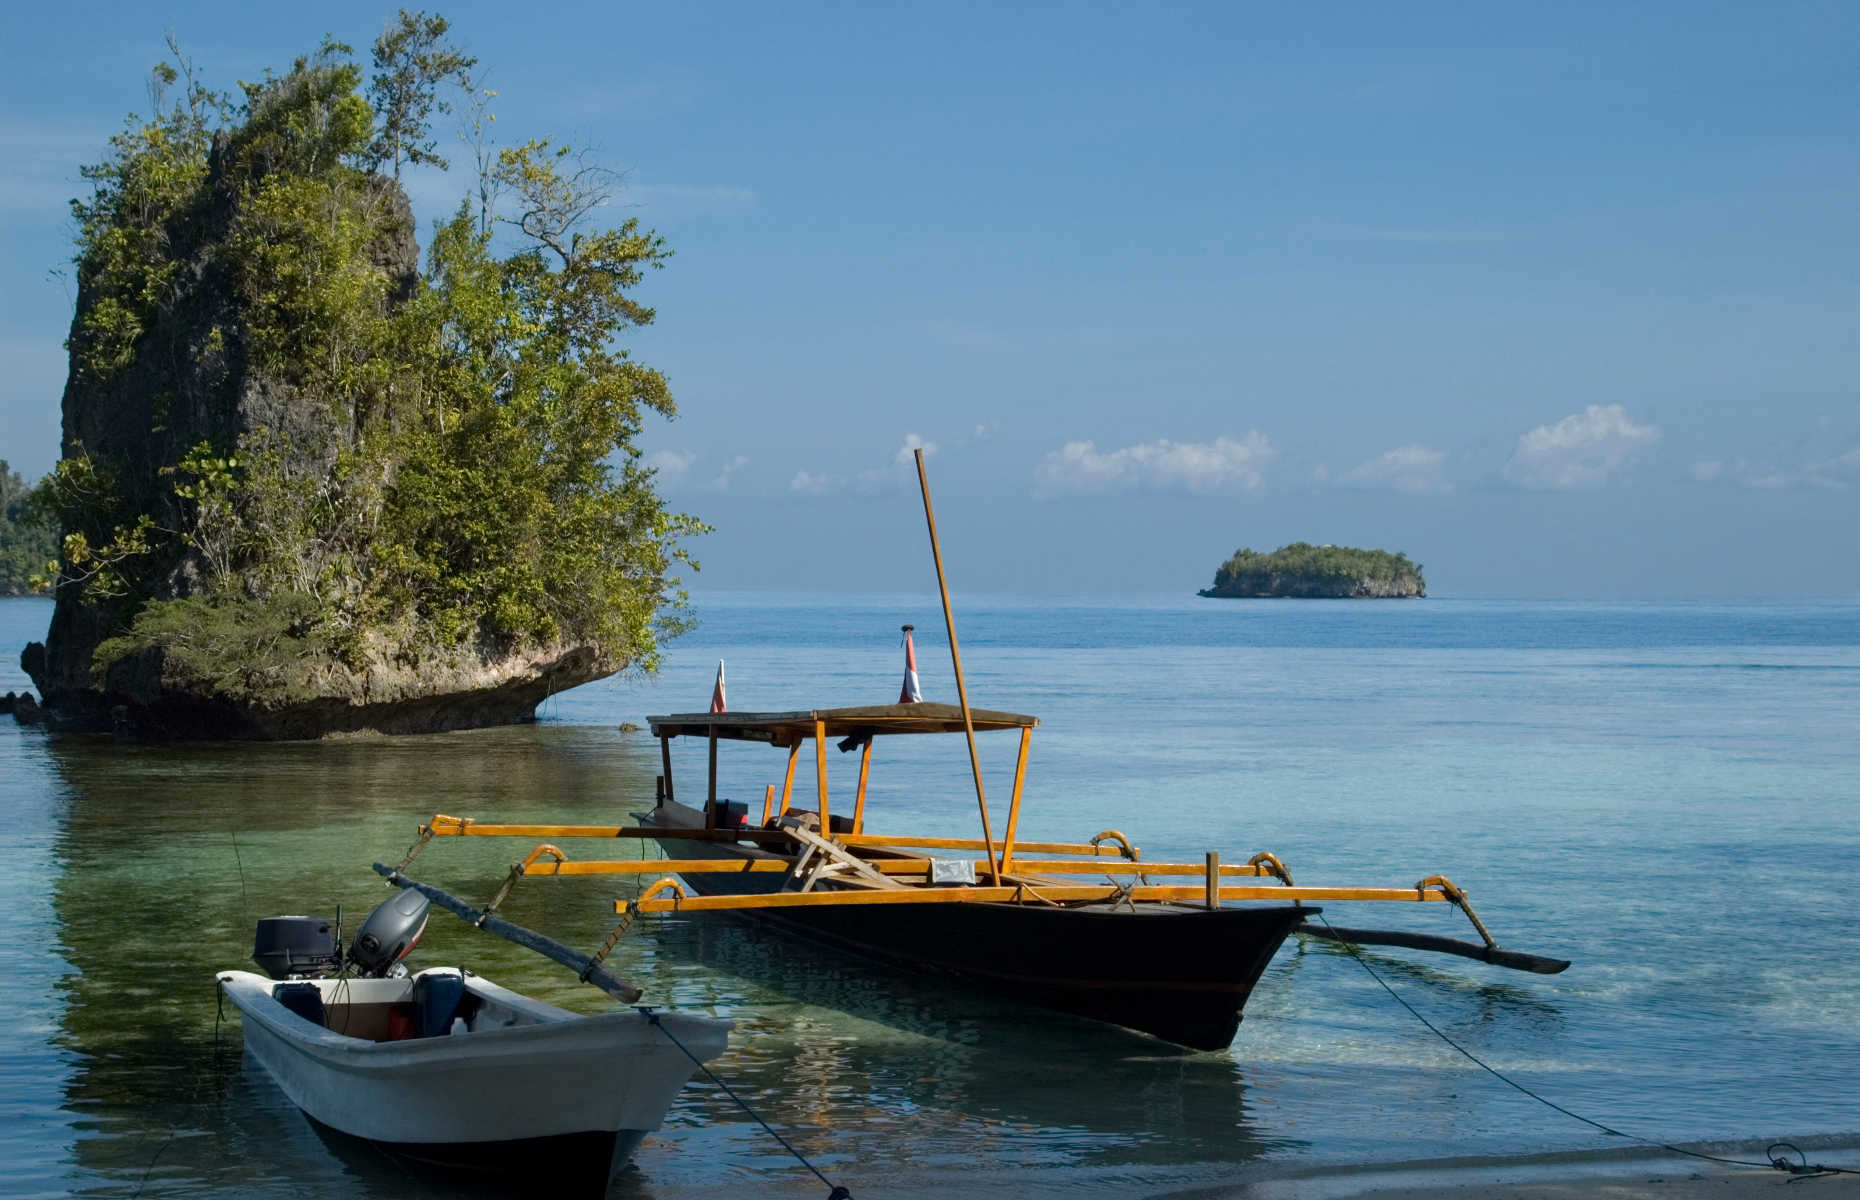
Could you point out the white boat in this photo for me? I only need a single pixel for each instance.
(447, 1067)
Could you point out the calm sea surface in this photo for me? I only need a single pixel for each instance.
(1669, 794)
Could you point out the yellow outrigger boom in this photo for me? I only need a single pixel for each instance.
(904, 876)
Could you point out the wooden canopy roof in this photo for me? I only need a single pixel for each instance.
(785, 728)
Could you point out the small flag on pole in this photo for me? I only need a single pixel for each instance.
(912, 693)
(716, 693)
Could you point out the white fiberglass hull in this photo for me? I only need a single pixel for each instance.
(525, 1071)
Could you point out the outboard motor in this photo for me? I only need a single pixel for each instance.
(295, 948)
(388, 934)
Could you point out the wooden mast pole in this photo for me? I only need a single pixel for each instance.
(962, 692)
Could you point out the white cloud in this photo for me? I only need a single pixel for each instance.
(1835, 474)
(1580, 451)
(901, 469)
(722, 482)
(672, 465)
(1837, 471)
(1411, 468)
(906, 455)
(1161, 465)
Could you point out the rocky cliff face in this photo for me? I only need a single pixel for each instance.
(144, 696)
(193, 380)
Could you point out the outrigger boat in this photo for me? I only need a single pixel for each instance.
(1169, 949)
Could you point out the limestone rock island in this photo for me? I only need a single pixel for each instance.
(311, 486)
(1309, 572)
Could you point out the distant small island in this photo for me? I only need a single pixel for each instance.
(1304, 571)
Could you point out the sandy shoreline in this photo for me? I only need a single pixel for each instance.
(1617, 1174)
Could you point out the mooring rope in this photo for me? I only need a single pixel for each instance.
(1802, 1169)
(836, 1192)
(193, 1097)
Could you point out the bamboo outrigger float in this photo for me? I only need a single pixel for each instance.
(1170, 949)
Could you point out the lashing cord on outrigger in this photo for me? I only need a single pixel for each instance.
(1801, 1169)
(837, 1191)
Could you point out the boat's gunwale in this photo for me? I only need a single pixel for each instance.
(253, 995)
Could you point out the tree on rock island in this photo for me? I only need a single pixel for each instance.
(309, 485)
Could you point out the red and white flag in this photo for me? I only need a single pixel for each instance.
(716, 693)
(912, 693)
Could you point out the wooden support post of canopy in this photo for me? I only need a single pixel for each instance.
(865, 770)
(710, 797)
(1213, 883)
(665, 755)
(1020, 779)
(955, 654)
(768, 804)
(787, 783)
(820, 775)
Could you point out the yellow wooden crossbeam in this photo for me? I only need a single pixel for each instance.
(936, 843)
(659, 866)
(906, 866)
(448, 826)
(444, 826)
(1047, 866)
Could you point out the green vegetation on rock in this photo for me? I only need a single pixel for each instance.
(294, 456)
(1306, 571)
(28, 540)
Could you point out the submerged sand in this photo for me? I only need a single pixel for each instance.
(1627, 1173)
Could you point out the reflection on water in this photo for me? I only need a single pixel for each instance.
(1633, 787)
(170, 853)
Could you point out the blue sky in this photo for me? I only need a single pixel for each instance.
(1560, 300)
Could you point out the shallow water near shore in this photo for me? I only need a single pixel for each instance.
(1668, 794)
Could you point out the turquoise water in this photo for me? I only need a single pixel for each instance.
(1668, 794)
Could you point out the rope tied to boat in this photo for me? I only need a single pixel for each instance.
(517, 871)
(425, 835)
(1269, 864)
(626, 923)
(1457, 896)
(835, 1191)
(1123, 843)
(1024, 891)
(1799, 1170)
(1124, 889)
